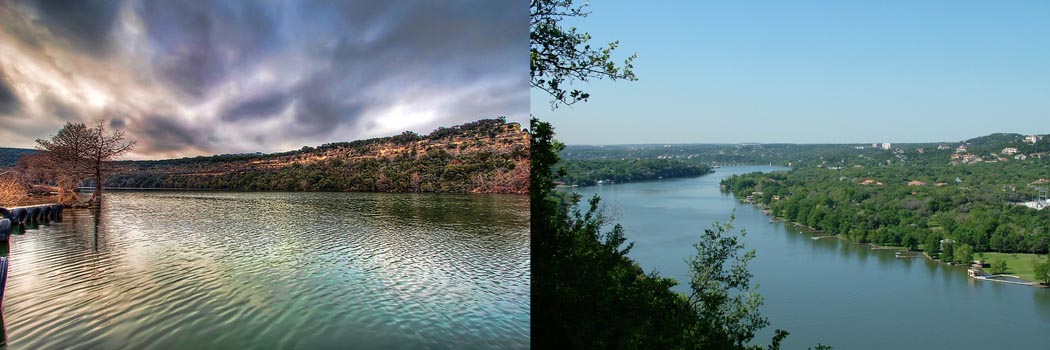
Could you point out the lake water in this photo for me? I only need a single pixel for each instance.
(829, 290)
(222, 270)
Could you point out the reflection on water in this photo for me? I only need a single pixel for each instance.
(829, 290)
(275, 270)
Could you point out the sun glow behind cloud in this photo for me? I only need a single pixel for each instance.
(197, 78)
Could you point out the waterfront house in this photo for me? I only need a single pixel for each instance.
(975, 270)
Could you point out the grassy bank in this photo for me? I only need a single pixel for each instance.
(1019, 264)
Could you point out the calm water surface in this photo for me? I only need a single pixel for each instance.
(829, 290)
(206, 270)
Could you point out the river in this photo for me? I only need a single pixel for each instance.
(829, 290)
(227, 270)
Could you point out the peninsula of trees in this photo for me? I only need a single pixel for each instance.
(589, 172)
(970, 194)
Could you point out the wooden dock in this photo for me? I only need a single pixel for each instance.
(23, 215)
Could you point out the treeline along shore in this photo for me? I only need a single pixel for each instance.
(954, 203)
(485, 156)
(980, 199)
(587, 172)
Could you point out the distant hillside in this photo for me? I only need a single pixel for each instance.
(989, 147)
(486, 156)
(9, 156)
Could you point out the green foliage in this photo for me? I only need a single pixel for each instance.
(1000, 267)
(722, 295)
(932, 245)
(9, 156)
(963, 254)
(1042, 270)
(560, 56)
(589, 172)
(588, 294)
(412, 163)
(977, 210)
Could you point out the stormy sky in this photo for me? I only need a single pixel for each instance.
(186, 78)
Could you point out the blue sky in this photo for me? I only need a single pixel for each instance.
(815, 72)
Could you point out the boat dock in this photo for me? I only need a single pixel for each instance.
(19, 217)
(996, 278)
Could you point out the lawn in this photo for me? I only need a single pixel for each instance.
(1019, 264)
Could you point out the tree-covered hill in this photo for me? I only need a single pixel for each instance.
(486, 156)
(9, 156)
(590, 172)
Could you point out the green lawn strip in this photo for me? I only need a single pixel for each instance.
(1019, 264)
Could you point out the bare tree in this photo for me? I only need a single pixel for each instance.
(12, 190)
(78, 152)
(41, 170)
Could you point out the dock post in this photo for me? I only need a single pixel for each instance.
(33, 214)
(21, 214)
(5, 229)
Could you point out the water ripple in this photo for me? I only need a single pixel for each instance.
(274, 270)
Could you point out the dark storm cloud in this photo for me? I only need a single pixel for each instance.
(257, 107)
(116, 123)
(8, 101)
(86, 23)
(55, 108)
(200, 42)
(242, 76)
(163, 133)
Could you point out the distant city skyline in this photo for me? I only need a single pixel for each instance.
(210, 77)
(814, 72)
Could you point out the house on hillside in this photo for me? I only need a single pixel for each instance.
(1032, 139)
(1009, 151)
(960, 149)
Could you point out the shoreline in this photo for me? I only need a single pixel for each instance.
(162, 189)
(709, 172)
(776, 219)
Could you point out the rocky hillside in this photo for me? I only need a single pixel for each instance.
(486, 156)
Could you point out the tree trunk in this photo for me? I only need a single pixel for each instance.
(96, 198)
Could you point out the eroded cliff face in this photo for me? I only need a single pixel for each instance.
(486, 156)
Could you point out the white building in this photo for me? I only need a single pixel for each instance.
(1009, 150)
(1032, 138)
(886, 145)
